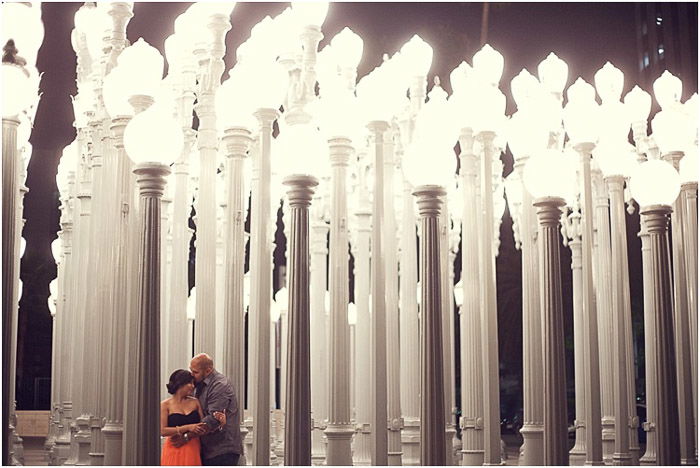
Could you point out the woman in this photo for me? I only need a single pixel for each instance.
(179, 415)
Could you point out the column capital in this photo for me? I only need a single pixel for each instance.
(237, 141)
(301, 189)
(549, 210)
(150, 178)
(266, 116)
(340, 150)
(656, 218)
(429, 199)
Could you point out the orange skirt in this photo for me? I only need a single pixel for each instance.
(187, 455)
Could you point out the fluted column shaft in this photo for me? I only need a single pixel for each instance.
(409, 332)
(378, 377)
(151, 183)
(590, 356)
(447, 299)
(681, 322)
(339, 430)
(471, 421)
(578, 452)
(431, 371)
(391, 279)
(319, 336)
(205, 261)
(114, 426)
(655, 219)
(237, 141)
(261, 277)
(533, 377)
(622, 455)
(689, 198)
(603, 255)
(363, 410)
(555, 419)
(489, 324)
(10, 188)
(297, 437)
(650, 372)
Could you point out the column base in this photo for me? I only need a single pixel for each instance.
(608, 436)
(621, 459)
(82, 438)
(472, 457)
(73, 446)
(410, 442)
(361, 445)
(450, 435)
(456, 451)
(247, 434)
(113, 434)
(339, 448)
(318, 447)
(577, 456)
(533, 444)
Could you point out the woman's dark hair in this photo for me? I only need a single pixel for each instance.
(177, 379)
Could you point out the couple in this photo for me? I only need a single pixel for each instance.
(202, 429)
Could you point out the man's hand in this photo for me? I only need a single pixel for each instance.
(177, 440)
(221, 417)
(200, 429)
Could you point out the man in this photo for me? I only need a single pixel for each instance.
(221, 443)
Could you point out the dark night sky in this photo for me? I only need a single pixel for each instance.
(585, 35)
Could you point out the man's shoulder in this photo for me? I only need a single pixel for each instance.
(219, 380)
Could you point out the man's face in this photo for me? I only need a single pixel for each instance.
(197, 371)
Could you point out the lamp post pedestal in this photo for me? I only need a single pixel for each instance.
(297, 436)
(432, 402)
(655, 219)
(151, 182)
(555, 420)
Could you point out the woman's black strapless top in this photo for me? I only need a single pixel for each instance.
(179, 419)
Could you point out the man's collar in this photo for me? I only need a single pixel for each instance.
(207, 380)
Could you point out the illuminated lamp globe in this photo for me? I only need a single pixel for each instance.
(526, 135)
(17, 90)
(153, 136)
(491, 103)
(22, 246)
(460, 79)
(348, 47)
(670, 133)
(275, 312)
(488, 64)
(176, 53)
(234, 104)
(499, 202)
(51, 304)
(609, 81)
(655, 182)
(615, 158)
(371, 91)
(525, 89)
(115, 94)
(426, 163)
(57, 248)
(688, 166)
(418, 54)
(143, 65)
(262, 42)
(549, 173)
(514, 194)
(581, 113)
(282, 298)
(333, 123)
(192, 304)
(553, 73)
(638, 103)
(458, 292)
(434, 121)
(352, 314)
(97, 26)
(668, 89)
(309, 13)
(270, 86)
(302, 150)
(21, 24)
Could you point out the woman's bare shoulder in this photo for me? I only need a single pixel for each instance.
(166, 403)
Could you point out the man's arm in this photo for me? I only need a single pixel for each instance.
(218, 399)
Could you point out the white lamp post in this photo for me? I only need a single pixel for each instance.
(429, 164)
(488, 68)
(526, 137)
(151, 139)
(671, 135)
(19, 91)
(298, 140)
(655, 186)
(235, 108)
(580, 118)
(549, 180)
